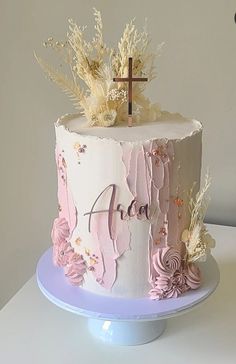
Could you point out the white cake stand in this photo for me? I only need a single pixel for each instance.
(117, 320)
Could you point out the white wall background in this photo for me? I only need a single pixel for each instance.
(197, 77)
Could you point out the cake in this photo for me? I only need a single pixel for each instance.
(130, 221)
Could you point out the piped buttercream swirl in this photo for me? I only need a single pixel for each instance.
(60, 230)
(166, 261)
(173, 275)
(61, 253)
(64, 255)
(75, 270)
(193, 276)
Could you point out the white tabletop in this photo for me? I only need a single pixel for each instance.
(33, 330)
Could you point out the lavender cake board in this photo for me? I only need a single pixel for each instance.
(54, 286)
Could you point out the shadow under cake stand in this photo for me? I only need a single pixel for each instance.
(118, 320)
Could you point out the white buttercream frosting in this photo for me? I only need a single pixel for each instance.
(168, 126)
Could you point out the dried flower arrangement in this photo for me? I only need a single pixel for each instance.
(197, 240)
(104, 101)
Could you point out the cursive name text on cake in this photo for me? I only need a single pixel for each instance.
(142, 212)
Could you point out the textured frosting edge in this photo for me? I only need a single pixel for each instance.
(62, 120)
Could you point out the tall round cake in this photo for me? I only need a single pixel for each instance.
(131, 210)
(124, 204)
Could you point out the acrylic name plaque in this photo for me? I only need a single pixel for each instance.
(135, 209)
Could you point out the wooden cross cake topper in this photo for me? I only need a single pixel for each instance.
(130, 79)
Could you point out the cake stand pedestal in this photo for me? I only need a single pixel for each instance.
(118, 320)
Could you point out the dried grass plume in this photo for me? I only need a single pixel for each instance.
(91, 66)
(197, 240)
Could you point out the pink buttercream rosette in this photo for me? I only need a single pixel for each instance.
(64, 255)
(75, 270)
(173, 276)
(61, 248)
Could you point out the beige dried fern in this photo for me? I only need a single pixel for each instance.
(68, 86)
(198, 205)
(196, 238)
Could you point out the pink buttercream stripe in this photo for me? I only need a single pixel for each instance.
(111, 249)
(99, 267)
(132, 175)
(65, 199)
(107, 251)
(161, 195)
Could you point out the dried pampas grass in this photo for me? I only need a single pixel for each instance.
(95, 64)
(197, 240)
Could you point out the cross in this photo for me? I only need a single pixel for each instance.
(130, 79)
